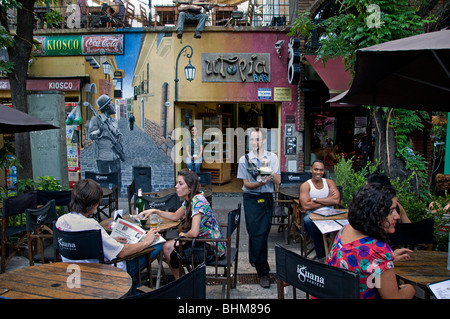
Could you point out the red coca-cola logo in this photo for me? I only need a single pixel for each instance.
(102, 44)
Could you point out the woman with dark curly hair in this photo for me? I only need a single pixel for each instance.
(362, 246)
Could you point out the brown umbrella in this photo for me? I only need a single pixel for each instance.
(14, 121)
(411, 73)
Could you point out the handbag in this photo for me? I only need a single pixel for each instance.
(191, 253)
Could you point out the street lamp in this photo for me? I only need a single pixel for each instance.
(189, 70)
(106, 68)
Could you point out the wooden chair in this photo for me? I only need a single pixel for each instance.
(414, 235)
(284, 214)
(129, 14)
(88, 245)
(144, 17)
(229, 278)
(13, 231)
(38, 225)
(190, 286)
(109, 203)
(317, 279)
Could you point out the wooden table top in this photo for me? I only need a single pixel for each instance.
(424, 267)
(314, 216)
(165, 225)
(291, 191)
(55, 281)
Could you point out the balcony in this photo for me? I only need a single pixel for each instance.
(226, 13)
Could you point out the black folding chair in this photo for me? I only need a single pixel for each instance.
(39, 229)
(88, 244)
(229, 277)
(316, 279)
(169, 203)
(109, 203)
(419, 233)
(13, 232)
(190, 286)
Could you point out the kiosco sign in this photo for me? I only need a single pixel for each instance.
(79, 45)
(46, 85)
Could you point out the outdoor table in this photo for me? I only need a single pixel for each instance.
(424, 267)
(164, 226)
(56, 280)
(336, 223)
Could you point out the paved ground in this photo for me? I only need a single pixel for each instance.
(248, 290)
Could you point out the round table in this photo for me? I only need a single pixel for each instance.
(165, 225)
(424, 267)
(66, 281)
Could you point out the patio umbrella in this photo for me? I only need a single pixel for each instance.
(410, 73)
(14, 121)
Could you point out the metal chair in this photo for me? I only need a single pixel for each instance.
(229, 278)
(87, 244)
(317, 279)
(13, 232)
(110, 202)
(38, 225)
(190, 286)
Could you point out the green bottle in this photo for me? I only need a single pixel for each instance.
(139, 202)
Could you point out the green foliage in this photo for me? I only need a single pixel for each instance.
(303, 25)
(349, 179)
(47, 183)
(416, 208)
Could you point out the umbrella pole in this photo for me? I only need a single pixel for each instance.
(447, 148)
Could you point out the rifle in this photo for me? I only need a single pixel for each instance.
(117, 147)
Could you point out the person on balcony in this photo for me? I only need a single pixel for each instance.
(191, 12)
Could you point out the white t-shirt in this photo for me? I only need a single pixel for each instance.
(78, 222)
(319, 193)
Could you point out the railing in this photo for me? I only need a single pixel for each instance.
(255, 13)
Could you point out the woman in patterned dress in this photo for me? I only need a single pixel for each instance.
(199, 218)
(362, 246)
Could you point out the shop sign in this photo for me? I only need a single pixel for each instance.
(264, 93)
(236, 67)
(72, 45)
(46, 85)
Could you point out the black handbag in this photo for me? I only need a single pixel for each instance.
(191, 253)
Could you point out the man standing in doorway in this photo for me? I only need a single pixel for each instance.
(258, 199)
(104, 130)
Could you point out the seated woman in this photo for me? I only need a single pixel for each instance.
(200, 220)
(86, 196)
(362, 246)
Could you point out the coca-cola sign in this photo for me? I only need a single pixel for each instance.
(102, 44)
(73, 45)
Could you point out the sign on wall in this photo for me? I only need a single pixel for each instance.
(68, 45)
(236, 67)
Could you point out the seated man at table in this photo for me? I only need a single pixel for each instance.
(317, 193)
(86, 195)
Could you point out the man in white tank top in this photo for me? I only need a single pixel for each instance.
(316, 194)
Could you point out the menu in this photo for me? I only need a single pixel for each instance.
(440, 289)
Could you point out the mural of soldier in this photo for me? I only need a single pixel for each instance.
(104, 131)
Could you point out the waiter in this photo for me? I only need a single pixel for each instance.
(258, 200)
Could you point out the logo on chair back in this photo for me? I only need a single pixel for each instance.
(67, 246)
(305, 276)
(156, 205)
